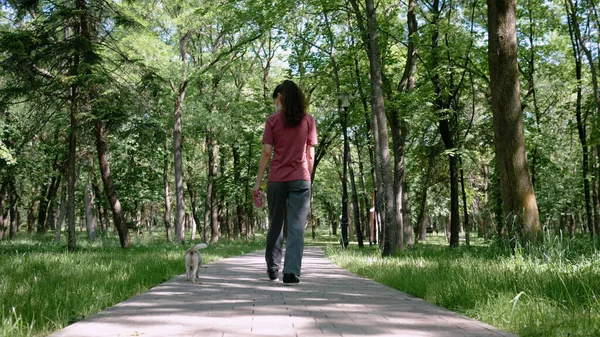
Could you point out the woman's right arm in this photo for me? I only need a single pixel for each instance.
(265, 157)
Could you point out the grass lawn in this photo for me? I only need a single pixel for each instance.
(43, 288)
(551, 290)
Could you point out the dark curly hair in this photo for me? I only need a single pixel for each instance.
(294, 103)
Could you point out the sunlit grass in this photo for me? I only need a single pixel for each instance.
(44, 288)
(549, 290)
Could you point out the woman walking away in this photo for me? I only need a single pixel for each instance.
(292, 133)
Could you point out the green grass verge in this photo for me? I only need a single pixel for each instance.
(551, 290)
(43, 288)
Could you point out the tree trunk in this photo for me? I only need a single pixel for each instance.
(151, 218)
(533, 90)
(90, 216)
(4, 222)
(72, 146)
(13, 211)
(177, 141)
(585, 164)
(572, 225)
(407, 216)
(177, 146)
(363, 98)
(378, 194)
(167, 214)
(32, 211)
(267, 67)
(595, 193)
(345, 178)
(518, 196)
(581, 121)
(572, 12)
(209, 193)
(485, 225)
(249, 213)
(400, 129)
(497, 194)
(422, 219)
(230, 225)
(425, 183)
(111, 193)
(581, 128)
(223, 207)
(399, 172)
(333, 218)
(102, 213)
(446, 114)
(43, 207)
(465, 212)
(193, 225)
(193, 192)
(72, 157)
(51, 212)
(355, 204)
(454, 204)
(365, 205)
(381, 136)
(137, 220)
(46, 209)
(3, 213)
(239, 210)
(214, 209)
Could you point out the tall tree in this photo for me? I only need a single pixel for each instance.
(382, 151)
(581, 117)
(399, 126)
(518, 197)
(180, 92)
(72, 147)
(445, 97)
(167, 199)
(90, 215)
(109, 189)
(573, 19)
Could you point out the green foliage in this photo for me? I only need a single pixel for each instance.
(238, 51)
(6, 156)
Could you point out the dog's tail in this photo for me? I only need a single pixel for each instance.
(197, 247)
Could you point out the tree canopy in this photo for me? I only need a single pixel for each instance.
(165, 102)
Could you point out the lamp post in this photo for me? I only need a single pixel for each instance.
(344, 99)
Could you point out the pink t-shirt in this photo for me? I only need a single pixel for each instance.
(289, 144)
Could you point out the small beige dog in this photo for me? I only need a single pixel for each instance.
(193, 262)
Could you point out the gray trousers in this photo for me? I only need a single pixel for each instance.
(287, 201)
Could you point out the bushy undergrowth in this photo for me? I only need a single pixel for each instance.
(543, 290)
(43, 287)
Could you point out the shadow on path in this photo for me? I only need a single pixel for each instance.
(234, 297)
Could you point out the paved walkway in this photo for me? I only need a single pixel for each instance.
(235, 298)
